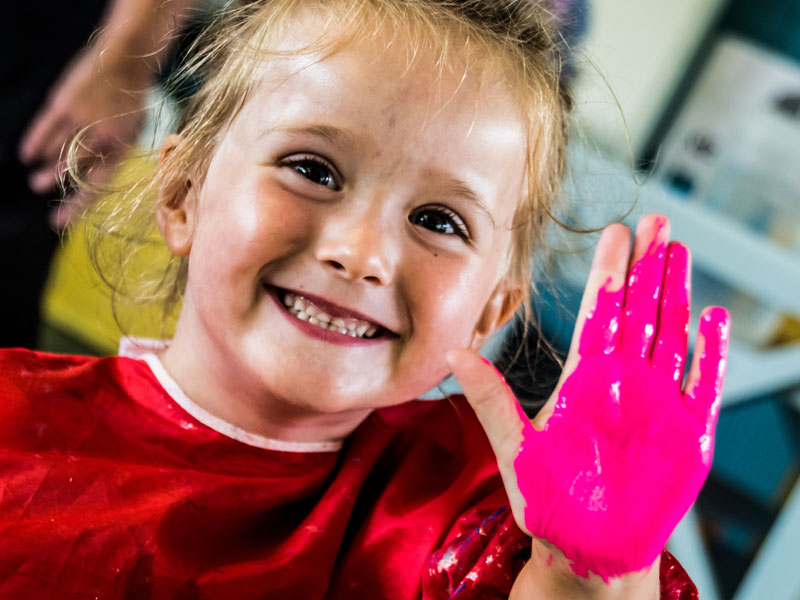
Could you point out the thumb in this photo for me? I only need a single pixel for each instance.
(494, 404)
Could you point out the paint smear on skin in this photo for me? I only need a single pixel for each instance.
(625, 452)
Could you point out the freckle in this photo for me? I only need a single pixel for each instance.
(435, 254)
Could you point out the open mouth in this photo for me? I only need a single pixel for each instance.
(324, 316)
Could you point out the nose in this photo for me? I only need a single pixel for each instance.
(359, 248)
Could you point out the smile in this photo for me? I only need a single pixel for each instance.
(304, 309)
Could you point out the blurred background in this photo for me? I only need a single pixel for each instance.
(690, 108)
(710, 93)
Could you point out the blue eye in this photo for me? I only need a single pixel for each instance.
(439, 220)
(315, 170)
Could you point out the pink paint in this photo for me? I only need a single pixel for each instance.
(625, 452)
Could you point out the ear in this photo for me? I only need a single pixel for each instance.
(502, 305)
(177, 202)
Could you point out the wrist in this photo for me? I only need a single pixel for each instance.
(549, 574)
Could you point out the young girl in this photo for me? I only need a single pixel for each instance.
(352, 199)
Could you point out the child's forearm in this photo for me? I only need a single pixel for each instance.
(548, 575)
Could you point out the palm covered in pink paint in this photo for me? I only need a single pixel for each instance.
(632, 448)
(620, 451)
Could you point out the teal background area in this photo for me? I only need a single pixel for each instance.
(774, 24)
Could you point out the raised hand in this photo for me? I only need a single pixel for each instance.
(620, 451)
(101, 93)
(89, 96)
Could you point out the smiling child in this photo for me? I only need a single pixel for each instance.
(352, 200)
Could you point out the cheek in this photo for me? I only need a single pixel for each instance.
(460, 290)
(242, 229)
(285, 222)
(254, 223)
(452, 294)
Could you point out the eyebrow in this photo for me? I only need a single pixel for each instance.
(460, 188)
(332, 134)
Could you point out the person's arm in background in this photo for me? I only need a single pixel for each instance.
(104, 86)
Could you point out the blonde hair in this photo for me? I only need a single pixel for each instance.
(517, 37)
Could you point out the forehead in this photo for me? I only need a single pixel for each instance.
(442, 68)
(385, 95)
(367, 81)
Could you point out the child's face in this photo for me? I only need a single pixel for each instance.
(386, 191)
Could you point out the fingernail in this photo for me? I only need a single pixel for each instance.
(677, 251)
(719, 319)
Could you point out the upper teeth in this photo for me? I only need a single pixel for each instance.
(304, 310)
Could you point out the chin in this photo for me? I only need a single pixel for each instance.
(322, 395)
